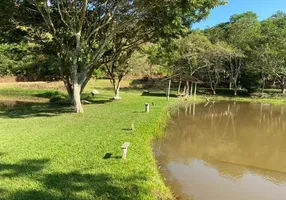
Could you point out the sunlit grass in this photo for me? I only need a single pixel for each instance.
(46, 153)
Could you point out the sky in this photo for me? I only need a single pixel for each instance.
(263, 8)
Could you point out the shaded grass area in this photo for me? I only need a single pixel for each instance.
(46, 152)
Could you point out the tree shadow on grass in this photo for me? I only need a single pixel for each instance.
(2, 154)
(77, 186)
(32, 109)
(157, 94)
(32, 195)
(98, 99)
(22, 168)
(36, 110)
(71, 185)
(2, 192)
(110, 156)
(94, 185)
(49, 94)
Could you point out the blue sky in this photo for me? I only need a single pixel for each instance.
(264, 9)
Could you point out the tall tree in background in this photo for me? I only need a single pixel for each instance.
(241, 34)
(274, 39)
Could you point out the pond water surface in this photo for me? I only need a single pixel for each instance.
(225, 151)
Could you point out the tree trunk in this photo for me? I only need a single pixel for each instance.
(184, 90)
(179, 88)
(263, 87)
(169, 90)
(116, 92)
(235, 91)
(195, 91)
(116, 87)
(235, 87)
(76, 98)
(230, 85)
(187, 89)
(283, 85)
(214, 92)
(69, 89)
(75, 76)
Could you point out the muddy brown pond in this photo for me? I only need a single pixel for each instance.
(225, 151)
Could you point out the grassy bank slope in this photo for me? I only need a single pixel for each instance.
(46, 153)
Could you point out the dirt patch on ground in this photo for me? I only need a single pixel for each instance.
(57, 85)
(25, 99)
(7, 79)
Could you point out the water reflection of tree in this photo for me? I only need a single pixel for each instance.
(232, 137)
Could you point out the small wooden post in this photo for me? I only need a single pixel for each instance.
(132, 126)
(153, 103)
(169, 88)
(147, 107)
(124, 148)
(192, 87)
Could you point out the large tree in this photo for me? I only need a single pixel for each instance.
(215, 59)
(81, 30)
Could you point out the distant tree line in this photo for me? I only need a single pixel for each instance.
(241, 53)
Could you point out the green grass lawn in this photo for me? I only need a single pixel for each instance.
(48, 153)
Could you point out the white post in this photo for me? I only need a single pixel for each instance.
(147, 107)
(124, 153)
(169, 88)
(124, 149)
(191, 91)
